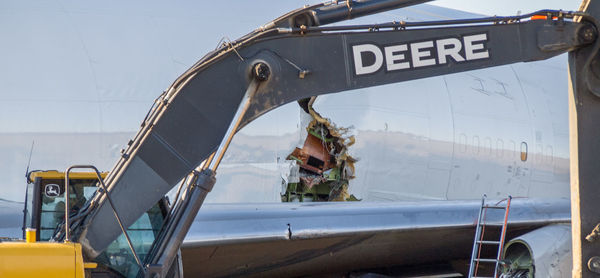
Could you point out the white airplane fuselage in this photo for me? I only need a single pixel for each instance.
(78, 79)
(496, 131)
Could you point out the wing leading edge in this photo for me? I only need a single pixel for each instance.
(316, 238)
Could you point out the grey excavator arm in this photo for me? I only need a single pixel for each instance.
(292, 58)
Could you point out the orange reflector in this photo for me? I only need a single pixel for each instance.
(542, 17)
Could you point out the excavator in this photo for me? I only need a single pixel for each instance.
(119, 224)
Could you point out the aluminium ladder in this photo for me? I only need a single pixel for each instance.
(479, 241)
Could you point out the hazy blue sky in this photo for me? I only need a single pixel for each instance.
(507, 7)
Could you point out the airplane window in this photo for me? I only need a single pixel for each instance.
(539, 157)
(463, 142)
(512, 147)
(487, 144)
(499, 148)
(475, 144)
(523, 151)
(549, 154)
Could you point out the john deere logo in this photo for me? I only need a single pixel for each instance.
(370, 58)
(52, 190)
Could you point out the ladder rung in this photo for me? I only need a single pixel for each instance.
(486, 260)
(488, 242)
(494, 207)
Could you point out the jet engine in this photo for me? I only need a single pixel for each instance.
(545, 252)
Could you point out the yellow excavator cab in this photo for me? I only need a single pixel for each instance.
(45, 201)
(35, 256)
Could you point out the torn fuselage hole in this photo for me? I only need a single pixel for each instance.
(321, 167)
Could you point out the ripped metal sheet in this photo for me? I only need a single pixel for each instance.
(325, 167)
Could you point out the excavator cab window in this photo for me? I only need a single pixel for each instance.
(142, 233)
(52, 211)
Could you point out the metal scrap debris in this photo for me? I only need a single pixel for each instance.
(324, 165)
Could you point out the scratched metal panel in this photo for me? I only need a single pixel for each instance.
(249, 222)
(295, 239)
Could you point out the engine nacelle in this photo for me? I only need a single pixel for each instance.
(545, 252)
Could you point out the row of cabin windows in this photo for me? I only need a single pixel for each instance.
(487, 147)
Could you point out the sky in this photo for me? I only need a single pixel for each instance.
(507, 7)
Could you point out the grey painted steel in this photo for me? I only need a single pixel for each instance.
(139, 173)
(200, 184)
(201, 103)
(294, 239)
(179, 226)
(352, 9)
(584, 112)
(101, 181)
(334, 11)
(172, 221)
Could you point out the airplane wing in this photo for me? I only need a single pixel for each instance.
(11, 217)
(297, 239)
